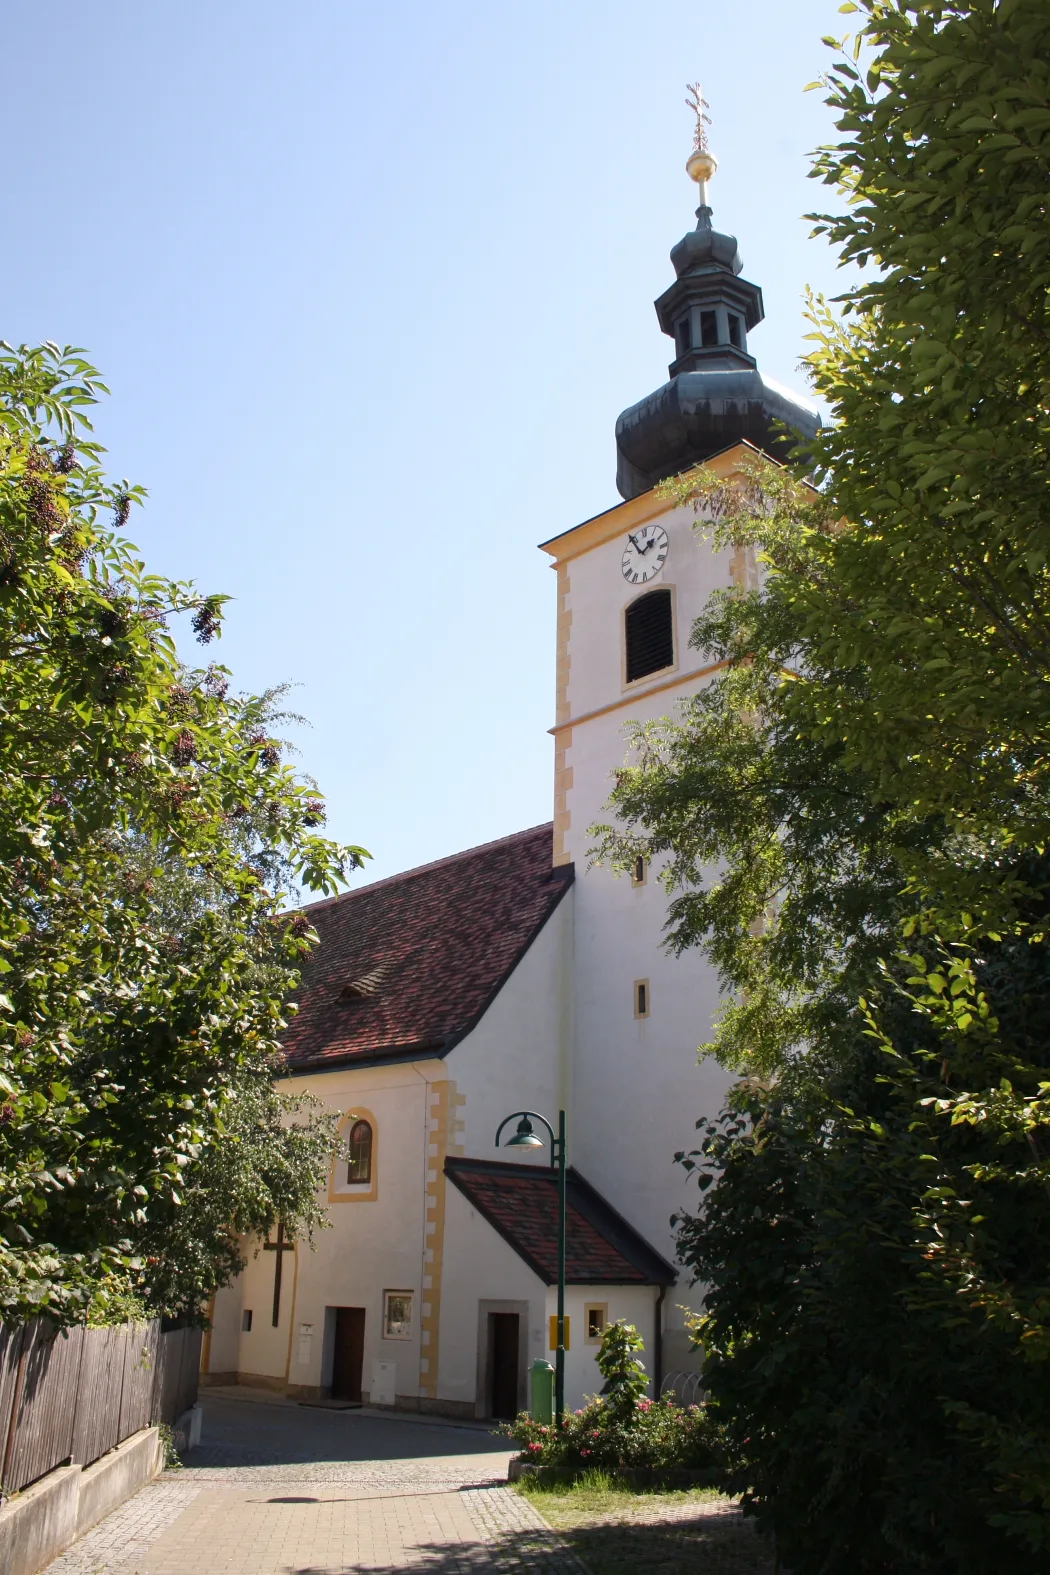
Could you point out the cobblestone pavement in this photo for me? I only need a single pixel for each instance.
(277, 1489)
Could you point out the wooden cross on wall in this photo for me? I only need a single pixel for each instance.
(280, 1247)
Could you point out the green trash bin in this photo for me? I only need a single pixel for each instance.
(542, 1391)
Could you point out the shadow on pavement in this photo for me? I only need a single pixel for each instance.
(523, 1552)
(714, 1546)
(238, 1433)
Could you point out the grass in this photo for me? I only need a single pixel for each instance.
(617, 1532)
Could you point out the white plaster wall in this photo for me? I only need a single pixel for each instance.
(480, 1266)
(599, 594)
(371, 1245)
(517, 1058)
(638, 1090)
(264, 1352)
(222, 1346)
(634, 1303)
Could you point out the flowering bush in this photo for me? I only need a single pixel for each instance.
(657, 1435)
(620, 1427)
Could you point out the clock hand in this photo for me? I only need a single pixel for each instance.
(634, 544)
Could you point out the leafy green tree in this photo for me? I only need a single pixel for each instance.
(853, 822)
(149, 834)
(626, 1381)
(874, 1321)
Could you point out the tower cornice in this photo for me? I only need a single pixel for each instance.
(600, 528)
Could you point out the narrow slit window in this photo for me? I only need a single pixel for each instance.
(638, 874)
(684, 335)
(246, 1321)
(641, 998)
(649, 635)
(708, 328)
(359, 1164)
(736, 333)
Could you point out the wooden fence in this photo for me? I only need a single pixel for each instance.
(72, 1394)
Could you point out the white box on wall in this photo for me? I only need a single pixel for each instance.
(384, 1383)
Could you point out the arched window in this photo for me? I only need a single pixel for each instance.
(649, 635)
(359, 1166)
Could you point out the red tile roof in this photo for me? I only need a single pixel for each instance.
(408, 965)
(521, 1202)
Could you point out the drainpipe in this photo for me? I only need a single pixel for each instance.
(658, 1340)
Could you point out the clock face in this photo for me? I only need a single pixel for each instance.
(644, 555)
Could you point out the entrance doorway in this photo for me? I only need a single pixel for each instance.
(503, 1365)
(348, 1353)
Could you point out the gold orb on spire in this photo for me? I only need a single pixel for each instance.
(701, 163)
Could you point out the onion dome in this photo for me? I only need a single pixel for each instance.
(716, 395)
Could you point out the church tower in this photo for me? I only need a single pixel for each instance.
(631, 581)
(441, 1000)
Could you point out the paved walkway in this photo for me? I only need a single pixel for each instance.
(280, 1489)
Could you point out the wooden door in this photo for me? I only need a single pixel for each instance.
(349, 1354)
(503, 1365)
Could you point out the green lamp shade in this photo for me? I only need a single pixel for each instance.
(524, 1137)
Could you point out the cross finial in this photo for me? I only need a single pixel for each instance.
(699, 105)
(701, 163)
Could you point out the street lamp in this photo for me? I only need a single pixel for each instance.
(525, 1137)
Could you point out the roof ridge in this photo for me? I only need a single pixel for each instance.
(424, 869)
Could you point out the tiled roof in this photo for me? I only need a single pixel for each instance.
(521, 1202)
(407, 966)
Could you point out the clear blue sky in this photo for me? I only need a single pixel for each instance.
(370, 285)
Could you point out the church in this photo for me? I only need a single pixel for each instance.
(515, 977)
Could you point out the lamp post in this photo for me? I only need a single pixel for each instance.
(525, 1137)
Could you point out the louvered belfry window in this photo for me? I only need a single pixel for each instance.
(359, 1167)
(649, 633)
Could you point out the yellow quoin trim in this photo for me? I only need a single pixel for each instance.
(561, 669)
(291, 1320)
(445, 1127)
(562, 772)
(562, 788)
(743, 569)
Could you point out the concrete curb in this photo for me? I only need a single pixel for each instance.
(39, 1524)
(117, 1476)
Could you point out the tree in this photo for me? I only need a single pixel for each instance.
(149, 832)
(868, 782)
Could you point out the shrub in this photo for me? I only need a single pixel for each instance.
(621, 1427)
(657, 1435)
